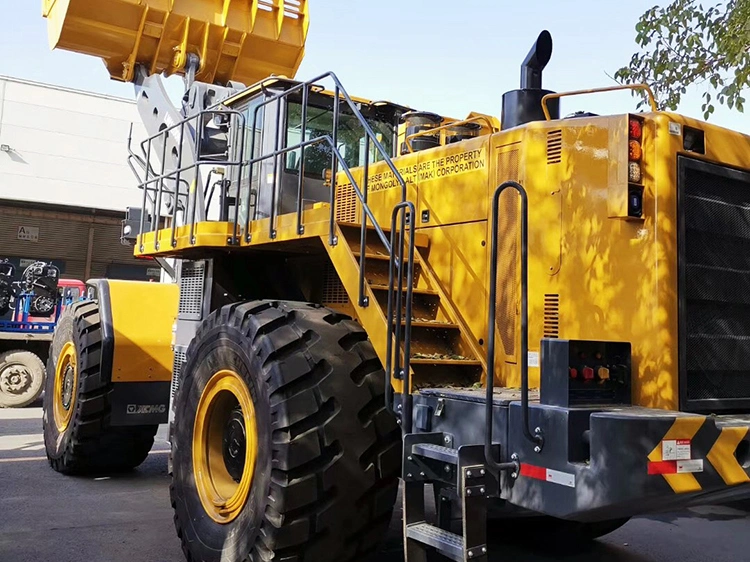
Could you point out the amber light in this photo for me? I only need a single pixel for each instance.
(634, 151)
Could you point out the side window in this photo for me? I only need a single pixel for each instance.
(254, 115)
(317, 156)
(350, 139)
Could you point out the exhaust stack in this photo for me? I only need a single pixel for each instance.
(525, 104)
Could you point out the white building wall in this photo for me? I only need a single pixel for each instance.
(66, 147)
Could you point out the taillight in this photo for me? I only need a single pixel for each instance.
(635, 166)
(634, 151)
(635, 129)
(634, 172)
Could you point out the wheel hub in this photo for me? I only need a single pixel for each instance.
(67, 387)
(234, 444)
(44, 305)
(15, 379)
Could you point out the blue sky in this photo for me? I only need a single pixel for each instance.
(444, 56)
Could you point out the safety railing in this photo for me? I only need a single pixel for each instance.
(155, 185)
(158, 183)
(339, 94)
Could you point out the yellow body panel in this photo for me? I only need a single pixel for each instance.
(458, 259)
(142, 318)
(594, 273)
(240, 40)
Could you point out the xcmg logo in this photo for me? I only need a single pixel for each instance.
(140, 409)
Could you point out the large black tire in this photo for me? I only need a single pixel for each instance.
(21, 378)
(329, 454)
(89, 444)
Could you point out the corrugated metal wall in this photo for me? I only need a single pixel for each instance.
(64, 237)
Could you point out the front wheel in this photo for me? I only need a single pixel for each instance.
(282, 447)
(78, 434)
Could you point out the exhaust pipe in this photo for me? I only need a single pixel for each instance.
(525, 104)
(535, 61)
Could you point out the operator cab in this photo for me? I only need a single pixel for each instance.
(270, 125)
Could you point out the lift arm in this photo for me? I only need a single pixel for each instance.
(217, 45)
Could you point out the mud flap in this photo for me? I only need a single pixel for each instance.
(140, 403)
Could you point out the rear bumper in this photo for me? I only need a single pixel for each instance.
(627, 461)
(600, 463)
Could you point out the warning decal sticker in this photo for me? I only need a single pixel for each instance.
(675, 450)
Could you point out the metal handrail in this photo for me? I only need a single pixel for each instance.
(340, 94)
(198, 162)
(644, 87)
(490, 383)
(174, 174)
(328, 140)
(393, 313)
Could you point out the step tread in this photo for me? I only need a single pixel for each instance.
(415, 291)
(437, 452)
(449, 544)
(379, 256)
(501, 397)
(457, 362)
(421, 239)
(431, 324)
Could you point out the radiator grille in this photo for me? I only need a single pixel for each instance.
(715, 284)
(346, 203)
(333, 290)
(554, 146)
(192, 277)
(507, 253)
(179, 361)
(551, 316)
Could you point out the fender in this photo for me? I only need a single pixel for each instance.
(137, 355)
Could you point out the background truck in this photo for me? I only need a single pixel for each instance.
(536, 316)
(29, 310)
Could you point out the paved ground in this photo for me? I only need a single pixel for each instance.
(46, 517)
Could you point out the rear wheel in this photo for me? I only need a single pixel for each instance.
(21, 378)
(77, 434)
(282, 447)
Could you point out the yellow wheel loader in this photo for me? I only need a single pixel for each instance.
(535, 316)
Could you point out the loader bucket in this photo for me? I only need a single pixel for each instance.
(240, 40)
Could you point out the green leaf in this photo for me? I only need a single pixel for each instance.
(684, 44)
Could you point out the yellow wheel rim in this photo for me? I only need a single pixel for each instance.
(66, 386)
(225, 445)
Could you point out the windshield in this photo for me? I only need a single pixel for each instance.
(350, 141)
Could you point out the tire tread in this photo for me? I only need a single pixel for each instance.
(331, 524)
